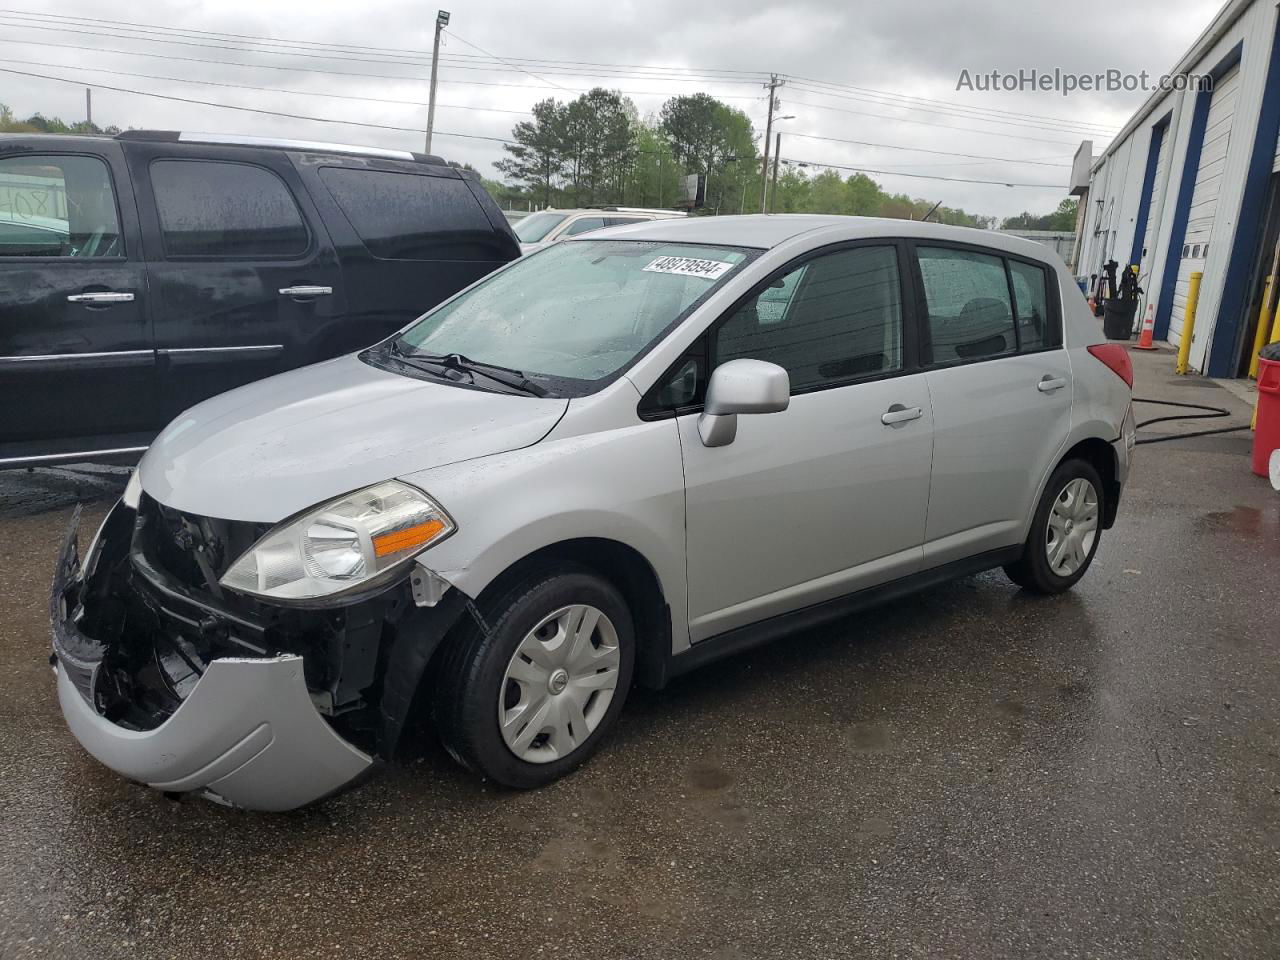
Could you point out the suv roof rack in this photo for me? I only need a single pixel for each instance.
(242, 140)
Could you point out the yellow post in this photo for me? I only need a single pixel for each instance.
(1264, 327)
(1188, 323)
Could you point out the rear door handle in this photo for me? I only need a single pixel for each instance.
(305, 291)
(900, 414)
(1049, 383)
(102, 297)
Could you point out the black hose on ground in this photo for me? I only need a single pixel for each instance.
(1210, 413)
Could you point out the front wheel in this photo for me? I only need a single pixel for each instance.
(528, 699)
(1065, 531)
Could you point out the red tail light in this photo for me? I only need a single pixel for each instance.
(1117, 358)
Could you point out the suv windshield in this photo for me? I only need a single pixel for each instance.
(575, 313)
(533, 228)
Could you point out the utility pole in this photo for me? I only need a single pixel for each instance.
(777, 158)
(88, 106)
(772, 86)
(442, 21)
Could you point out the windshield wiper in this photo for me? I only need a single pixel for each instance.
(507, 376)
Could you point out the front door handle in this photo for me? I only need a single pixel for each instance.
(305, 291)
(101, 297)
(900, 414)
(1049, 383)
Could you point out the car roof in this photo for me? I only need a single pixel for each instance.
(765, 231)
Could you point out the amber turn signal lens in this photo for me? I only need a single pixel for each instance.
(406, 539)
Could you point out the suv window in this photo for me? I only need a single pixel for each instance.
(58, 207)
(833, 318)
(619, 221)
(1036, 327)
(967, 299)
(583, 225)
(210, 208)
(409, 216)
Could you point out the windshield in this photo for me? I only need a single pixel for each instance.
(536, 226)
(577, 311)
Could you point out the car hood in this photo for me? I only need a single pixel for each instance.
(267, 450)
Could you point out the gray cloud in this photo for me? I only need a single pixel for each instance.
(912, 48)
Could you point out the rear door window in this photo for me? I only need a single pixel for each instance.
(58, 206)
(226, 210)
(966, 296)
(408, 216)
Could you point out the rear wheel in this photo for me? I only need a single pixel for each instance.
(1065, 531)
(530, 698)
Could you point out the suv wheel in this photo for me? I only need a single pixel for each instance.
(1064, 533)
(530, 698)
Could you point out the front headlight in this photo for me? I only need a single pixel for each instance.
(353, 542)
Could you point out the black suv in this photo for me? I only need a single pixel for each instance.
(143, 273)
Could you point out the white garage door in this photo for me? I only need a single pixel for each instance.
(1204, 198)
(1154, 209)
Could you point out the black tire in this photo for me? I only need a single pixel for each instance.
(1032, 570)
(471, 676)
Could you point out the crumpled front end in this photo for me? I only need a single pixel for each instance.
(173, 681)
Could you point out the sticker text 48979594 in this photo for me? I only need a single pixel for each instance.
(690, 267)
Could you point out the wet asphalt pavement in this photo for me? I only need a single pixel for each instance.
(973, 772)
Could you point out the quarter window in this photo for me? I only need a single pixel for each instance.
(213, 209)
(1034, 321)
(967, 301)
(834, 318)
(409, 216)
(57, 207)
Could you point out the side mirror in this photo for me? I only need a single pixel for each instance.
(741, 386)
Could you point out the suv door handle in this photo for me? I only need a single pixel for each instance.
(900, 414)
(304, 291)
(103, 297)
(1049, 383)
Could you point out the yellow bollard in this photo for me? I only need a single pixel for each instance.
(1188, 323)
(1264, 327)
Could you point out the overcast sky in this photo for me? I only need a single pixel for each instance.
(903, 49)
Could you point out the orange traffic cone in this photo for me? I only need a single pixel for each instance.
(1148, 330)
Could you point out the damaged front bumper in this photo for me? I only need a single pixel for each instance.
(188, 693)
(247, 734)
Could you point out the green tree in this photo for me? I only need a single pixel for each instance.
(38, 123)
(537, 156)
(1064, 218)
(713, 139)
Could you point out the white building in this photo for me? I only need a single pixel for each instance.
(1190, 184)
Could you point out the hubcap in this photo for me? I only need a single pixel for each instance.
(559, 684)
(1073, 527)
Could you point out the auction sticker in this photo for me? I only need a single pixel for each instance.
(690, 267)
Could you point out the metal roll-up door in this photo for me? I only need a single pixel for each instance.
(1154, 209)
(1204, 198)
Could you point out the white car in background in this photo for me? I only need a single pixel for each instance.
(545, 227)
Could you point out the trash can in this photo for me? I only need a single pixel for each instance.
(1266, 436)
(1117, 318)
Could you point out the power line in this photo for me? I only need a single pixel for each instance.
(934, 124)
(548, 65)
(919, 176)
(333, 73)
(245, 86)
(941, 153)
(422, 61)
(942, 113)
(488, 54)
(950, 103)
(269, 113)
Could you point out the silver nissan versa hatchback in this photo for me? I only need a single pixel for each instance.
(609, 462)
